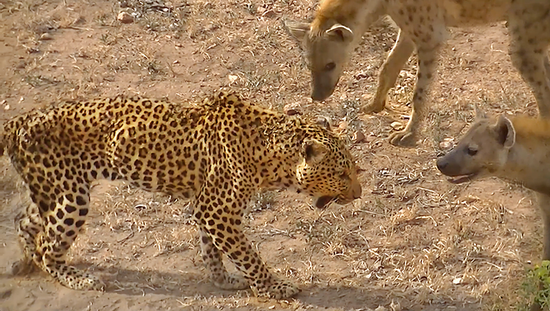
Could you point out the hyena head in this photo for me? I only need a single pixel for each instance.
(483, 151)
(327, 49)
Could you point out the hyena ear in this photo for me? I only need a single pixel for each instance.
(480, 114)
(297, 30)
(506, 133)
(340, 32)
(313, 151)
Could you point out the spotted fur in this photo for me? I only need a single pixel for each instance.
(339, 24)
(217, 154)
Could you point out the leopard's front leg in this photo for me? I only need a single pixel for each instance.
(219, 215)
(212, 258)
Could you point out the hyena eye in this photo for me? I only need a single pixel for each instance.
(471, 151)
(330, 66)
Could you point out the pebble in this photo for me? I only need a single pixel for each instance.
(125, 18)
(343, 125)
(324, 122)
(46, 36)
(359, 137)
(232, 78)
(446, 144)
(292, 109)
(396, 126)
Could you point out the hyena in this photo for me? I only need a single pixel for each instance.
(339, 24)
(514, 149)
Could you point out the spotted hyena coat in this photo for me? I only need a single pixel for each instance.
(338, 26)
(516, 149)
(217, 154)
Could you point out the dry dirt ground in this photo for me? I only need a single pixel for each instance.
(412, 242)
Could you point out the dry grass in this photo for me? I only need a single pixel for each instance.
(413, 242)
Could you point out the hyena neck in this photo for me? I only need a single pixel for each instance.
(529, 165)
(357, 15)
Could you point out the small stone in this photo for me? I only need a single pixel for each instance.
(125, 18)
(7, 107)
(359, 137)
(292, 109)
(232, 78)
(396, 126)
(343, 125)
(324, 122)
(457, 281)
(269, 14)
(140, 207)
(31, 50)
(361, 75)
(46, 36)
(446, 144)
(395, 306)
(291, 112)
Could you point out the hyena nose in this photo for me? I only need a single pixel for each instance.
(441, 165)
(319, 93)
(318, 97)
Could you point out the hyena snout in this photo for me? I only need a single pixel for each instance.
(320, 93)
(323, 87)
(448, 165)
(441, 164)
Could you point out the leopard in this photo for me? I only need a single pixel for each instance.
(216, 153)
(329, 40)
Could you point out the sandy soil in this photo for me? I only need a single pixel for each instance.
(412, 242)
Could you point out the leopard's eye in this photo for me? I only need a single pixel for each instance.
(472, 151)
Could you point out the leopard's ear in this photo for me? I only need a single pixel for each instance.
(313, 151)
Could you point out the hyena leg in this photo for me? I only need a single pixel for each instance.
(532, 66)
(212, 258)
(427, 63)
(530, 39)
(397, 58)
(29, 226)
